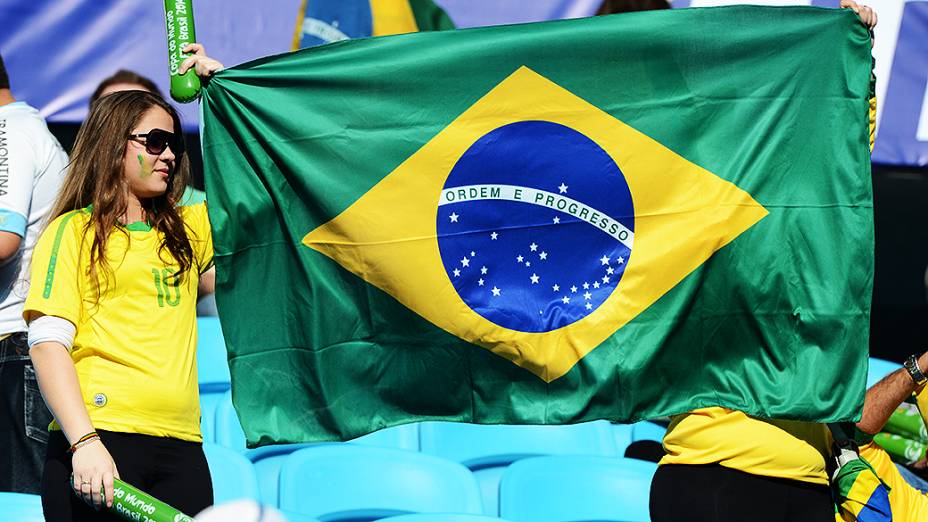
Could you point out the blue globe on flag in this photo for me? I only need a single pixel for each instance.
(535, 226)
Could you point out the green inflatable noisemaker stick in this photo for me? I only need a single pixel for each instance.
(178, 15)
(134, 505)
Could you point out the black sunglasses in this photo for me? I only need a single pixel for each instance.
(156, 140)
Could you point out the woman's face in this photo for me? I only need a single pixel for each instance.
(147, 172)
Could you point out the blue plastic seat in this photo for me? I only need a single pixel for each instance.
(212, 358)
(21, 507)
(646, 430)
(443, 517)
(879, 368)
(233, 475)
(341, 482)
(567, 488)
(209, 402)
(488, 448)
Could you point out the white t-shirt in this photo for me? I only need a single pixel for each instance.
(32, 167)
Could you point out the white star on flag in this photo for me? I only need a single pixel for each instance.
(605, 279)
(533, 247)
(519, 259)
(565, 300)
(589, 306)
(620, 260)
(610, 270)
(534, 278)
(573, 289)
(556, 288)
(528, 263)
(457, 272)
(483, 270)
(454, 217)
(472, 253)
(586, 286)
(480, 282)
(493, 236)
(587, 296)
(604, 260)
(556, 220)
(596, 284)
(465, 261)
(495, 291)
(562, 188)
(543, 255)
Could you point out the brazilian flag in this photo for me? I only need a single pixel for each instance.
(325, 21)
(618, 217)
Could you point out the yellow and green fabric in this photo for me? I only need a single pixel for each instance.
(616, 217)
(324, 21)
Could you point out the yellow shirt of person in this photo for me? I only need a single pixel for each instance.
(135, 345)
(771, 448)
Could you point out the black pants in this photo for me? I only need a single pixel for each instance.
(23, 419)
(171, 470)
(714, 493)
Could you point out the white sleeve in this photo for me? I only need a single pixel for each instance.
(17, 173)
(51, 328)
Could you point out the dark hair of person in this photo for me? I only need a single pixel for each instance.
(4, 77)
(125, 76)
(628, 6)
(96, 176)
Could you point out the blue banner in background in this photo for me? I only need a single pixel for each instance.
(57, 52)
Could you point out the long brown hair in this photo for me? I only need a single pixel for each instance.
(96, 177)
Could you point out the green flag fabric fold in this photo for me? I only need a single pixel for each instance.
(618, 217)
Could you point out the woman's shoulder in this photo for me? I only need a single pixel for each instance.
(69, 221)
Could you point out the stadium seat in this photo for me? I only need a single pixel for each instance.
(561, 488)
(21, 507)
(488, 449)
(442, 517)
(212, 358)
(878, 369)
(646, 430)
(267, 461)
(233, 475)
(342, 482)
(209, 401)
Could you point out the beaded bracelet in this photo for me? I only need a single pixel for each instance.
(83, 441)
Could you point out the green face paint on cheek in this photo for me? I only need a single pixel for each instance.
(144, 170)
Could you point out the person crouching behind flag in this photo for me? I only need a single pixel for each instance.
(111, 313)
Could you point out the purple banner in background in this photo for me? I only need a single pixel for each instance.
(57, 52)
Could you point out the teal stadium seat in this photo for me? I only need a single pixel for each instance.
(209, 401)
(879, 368)
(268, 459)
(352, 482)
(21, 507)
(212, 358)
(646, 430)
(443, 517)
(233, 475)
(212, 372)
(488, 448)
(577, 488)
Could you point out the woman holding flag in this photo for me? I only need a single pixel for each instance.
(111, 313)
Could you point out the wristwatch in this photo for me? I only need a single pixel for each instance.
(911, 365)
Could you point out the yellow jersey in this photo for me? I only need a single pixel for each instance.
(735, 440)
(135, 344)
